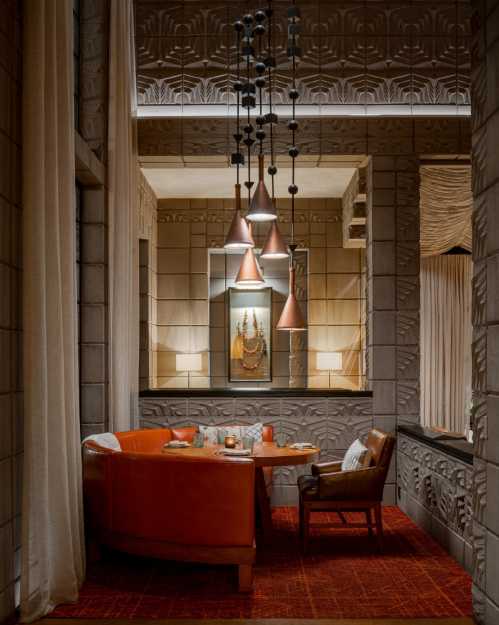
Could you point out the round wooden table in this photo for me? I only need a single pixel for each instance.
(264, 455)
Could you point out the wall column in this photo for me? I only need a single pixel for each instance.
(485, 354)
(393, 293)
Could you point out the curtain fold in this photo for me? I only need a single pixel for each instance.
(446, 203)
(52, 565)
(123, 222)
(446, 341)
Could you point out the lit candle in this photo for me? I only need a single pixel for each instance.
(230, 442)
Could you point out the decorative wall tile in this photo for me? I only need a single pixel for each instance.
(347, 56)
(442, 485)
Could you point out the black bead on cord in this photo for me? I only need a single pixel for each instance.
(293, 30)
(270, 63)
(237, 158)
(249, 100)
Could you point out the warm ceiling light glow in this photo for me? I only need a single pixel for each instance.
(188, 362)
(274, 247)
(329, 361)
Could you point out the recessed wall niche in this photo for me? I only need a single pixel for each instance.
(289, 357)
(193, 273)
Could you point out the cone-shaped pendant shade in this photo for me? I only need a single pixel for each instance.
(274, 247)
(249, 273)
(238, 235)
(261, 207)
(291, 316)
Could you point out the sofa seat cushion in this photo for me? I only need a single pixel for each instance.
(308, 485)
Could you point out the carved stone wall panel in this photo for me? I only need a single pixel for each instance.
(485, 170)
(352, 53)
(438, 488)
(94, 41)
(339, 136)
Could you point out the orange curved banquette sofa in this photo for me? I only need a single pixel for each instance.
(143, 502)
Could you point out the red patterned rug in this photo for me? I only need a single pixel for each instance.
(342, 577)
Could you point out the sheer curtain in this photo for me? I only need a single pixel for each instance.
(52, 566)
(123, 222)
(446, 341)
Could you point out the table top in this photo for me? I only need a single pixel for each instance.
(264, 454)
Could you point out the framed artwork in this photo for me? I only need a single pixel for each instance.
(250, 335)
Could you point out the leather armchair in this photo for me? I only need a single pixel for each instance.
(331, 489)
(141, 501)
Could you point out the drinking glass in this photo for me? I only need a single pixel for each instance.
(281, 439)
(221, 434)
(248, 442)
(198, 440)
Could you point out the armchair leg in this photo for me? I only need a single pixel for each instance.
(369, 522)
(379, 524)
(245, 578)
(306, 527)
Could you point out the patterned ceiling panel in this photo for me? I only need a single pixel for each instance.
(375, 51)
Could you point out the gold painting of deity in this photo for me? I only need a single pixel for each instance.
(250, 335)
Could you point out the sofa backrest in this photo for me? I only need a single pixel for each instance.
(191, 501)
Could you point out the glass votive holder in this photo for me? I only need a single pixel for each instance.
(198, 440)
(221, 436)
(248, 442)
(230, 442)
(281, 439)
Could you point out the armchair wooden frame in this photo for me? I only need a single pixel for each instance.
(334, 490)
(369, 508)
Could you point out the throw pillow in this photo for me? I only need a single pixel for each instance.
(357, 457)
(255, 431)
(211, 432)
(106, 439)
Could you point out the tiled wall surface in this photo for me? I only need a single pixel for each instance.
(331, 423)
(11, 400)
(393, 290)
(187, 229)
(435, 490)
(148, 234)
(485, 348)
(94, 401)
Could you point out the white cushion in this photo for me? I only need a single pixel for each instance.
(107, 440)
(356, 457)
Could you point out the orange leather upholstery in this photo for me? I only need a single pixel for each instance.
(142, 501)
(268, 434)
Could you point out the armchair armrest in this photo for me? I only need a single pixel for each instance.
(326, 467)
(351, 485)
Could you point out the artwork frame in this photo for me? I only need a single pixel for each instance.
(256, 365)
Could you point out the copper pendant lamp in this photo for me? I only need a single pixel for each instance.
(249, 274)
(261, 207)
(274, 247)
(239, 235)
(291, 316)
